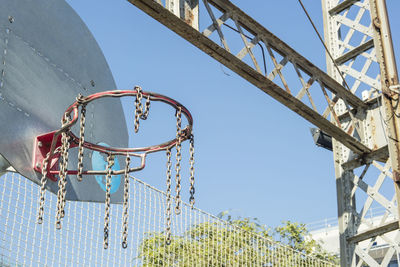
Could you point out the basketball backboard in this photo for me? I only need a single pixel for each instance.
(48, 56)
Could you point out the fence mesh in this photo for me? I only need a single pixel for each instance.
(198, 238)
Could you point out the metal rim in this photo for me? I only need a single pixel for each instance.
(186, 133)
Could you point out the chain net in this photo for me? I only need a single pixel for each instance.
(197, 238)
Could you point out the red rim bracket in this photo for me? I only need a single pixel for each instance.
(42, 147)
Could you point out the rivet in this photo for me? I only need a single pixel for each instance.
(92, 83)
(11, 19)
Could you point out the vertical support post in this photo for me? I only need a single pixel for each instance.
(346, 205)
(390, 83)
(173, 6)
(188, 10)
(345, 201)
(353, 224)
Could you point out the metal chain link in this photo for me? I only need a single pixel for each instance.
(178, 162)
(63, 154)
(59, 197)
(43, 182)
(64, 189)
(110, 163)
(59, 200)
(81, 141)
(146, 109)
(126, 204)
(62, 182)
(169, 199)
(191, 161)
(138, 107)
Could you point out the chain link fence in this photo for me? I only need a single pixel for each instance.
(197, 238)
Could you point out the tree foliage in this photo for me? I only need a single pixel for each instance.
(241, 242)
(297, 237)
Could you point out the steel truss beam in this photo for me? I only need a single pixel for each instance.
(355, 125)
(226, 19)
(352, 39)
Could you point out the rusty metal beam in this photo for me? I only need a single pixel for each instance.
(381, 154)
(355, 52)
(258, 30)
(389, 78)
(383, 229)
(342, 6)
(222, 55)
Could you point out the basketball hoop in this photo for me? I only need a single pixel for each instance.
(52, 149)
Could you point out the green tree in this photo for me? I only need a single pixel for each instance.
(241, 242)
(297, 237)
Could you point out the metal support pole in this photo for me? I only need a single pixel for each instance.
(345, 202)
(357, 234)
(390, 86)
(188, 10)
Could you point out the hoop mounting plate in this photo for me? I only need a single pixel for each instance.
(42, 147)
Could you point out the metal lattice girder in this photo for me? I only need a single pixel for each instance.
(352, 37)
(355, 43)
(225, 17)
(353, 123)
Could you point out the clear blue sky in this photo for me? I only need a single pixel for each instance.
(253, 155)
